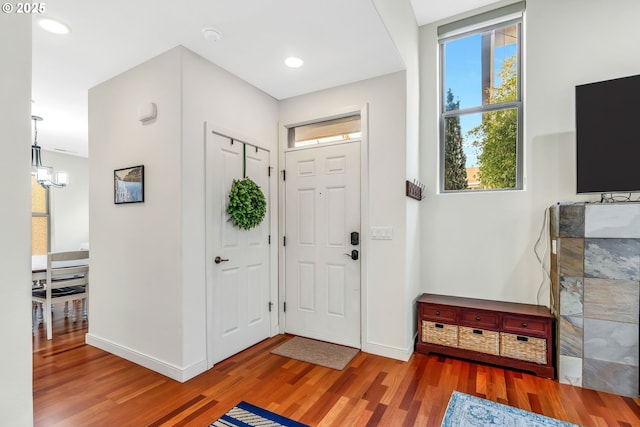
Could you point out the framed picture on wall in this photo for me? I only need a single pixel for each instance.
(128, 185)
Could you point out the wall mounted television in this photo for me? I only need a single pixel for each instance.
(608, 136)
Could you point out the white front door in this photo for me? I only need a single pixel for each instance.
(238, 270)
(322, 208)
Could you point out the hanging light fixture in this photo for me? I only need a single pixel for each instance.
(44, 174)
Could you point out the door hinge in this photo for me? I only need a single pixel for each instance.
(269, 170)
(269, 239)
(284, 175)
(285, 306)
(284, 240)
(270, 305)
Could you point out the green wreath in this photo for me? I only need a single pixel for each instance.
(247, 205)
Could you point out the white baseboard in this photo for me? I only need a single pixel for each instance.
(167, 369)
(397, 353)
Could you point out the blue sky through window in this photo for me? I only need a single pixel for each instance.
(463, 75)
(463, 70)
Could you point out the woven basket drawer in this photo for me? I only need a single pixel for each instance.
(479, 340)
(440, 333)
(523, 348)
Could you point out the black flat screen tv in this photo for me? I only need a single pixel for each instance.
(608, 136)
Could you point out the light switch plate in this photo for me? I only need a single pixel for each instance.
(381, 233)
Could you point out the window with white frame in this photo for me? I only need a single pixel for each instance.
(481, 101)
(341, 129)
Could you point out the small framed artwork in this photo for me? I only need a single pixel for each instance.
(128, 185)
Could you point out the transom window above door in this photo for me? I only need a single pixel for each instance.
(322, 132)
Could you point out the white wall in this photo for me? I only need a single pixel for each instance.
(482, 245)
(386, 300)
(400, 21)
(70, 205)
(16, 399)
(148, 299)
(136, 249)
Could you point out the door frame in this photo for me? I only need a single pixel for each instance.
(210, 126)
(364, 210)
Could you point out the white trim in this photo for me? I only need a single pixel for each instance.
(398, 353)
(180, 374)
(324, 144)
(364, 221)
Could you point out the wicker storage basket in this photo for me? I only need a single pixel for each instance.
(523, 348)
(440, 333)
(479, 340)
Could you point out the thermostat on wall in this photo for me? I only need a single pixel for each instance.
(147, 112)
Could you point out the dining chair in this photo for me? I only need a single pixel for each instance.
(67, 279)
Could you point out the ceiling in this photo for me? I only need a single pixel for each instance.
(340, 42)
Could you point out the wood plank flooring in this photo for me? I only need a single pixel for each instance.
(79, 385)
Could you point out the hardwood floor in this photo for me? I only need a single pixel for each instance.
(79, 385)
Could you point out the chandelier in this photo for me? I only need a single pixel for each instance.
(43, 174)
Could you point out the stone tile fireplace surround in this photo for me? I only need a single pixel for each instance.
(595, 288)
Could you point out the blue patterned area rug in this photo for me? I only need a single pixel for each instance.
(470, 411)
(246, 415)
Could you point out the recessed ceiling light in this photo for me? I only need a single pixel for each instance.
(293, 62)
(211, 34)
(53, 26)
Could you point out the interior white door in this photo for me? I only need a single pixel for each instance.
(238, 282)
(322, 208)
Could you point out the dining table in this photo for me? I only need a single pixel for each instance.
(39, 266)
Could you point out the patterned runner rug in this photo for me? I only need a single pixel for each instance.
(247, 415)
(470, 411)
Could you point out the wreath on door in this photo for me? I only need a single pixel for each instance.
(247, 204)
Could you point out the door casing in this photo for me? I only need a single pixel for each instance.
(364, 211)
